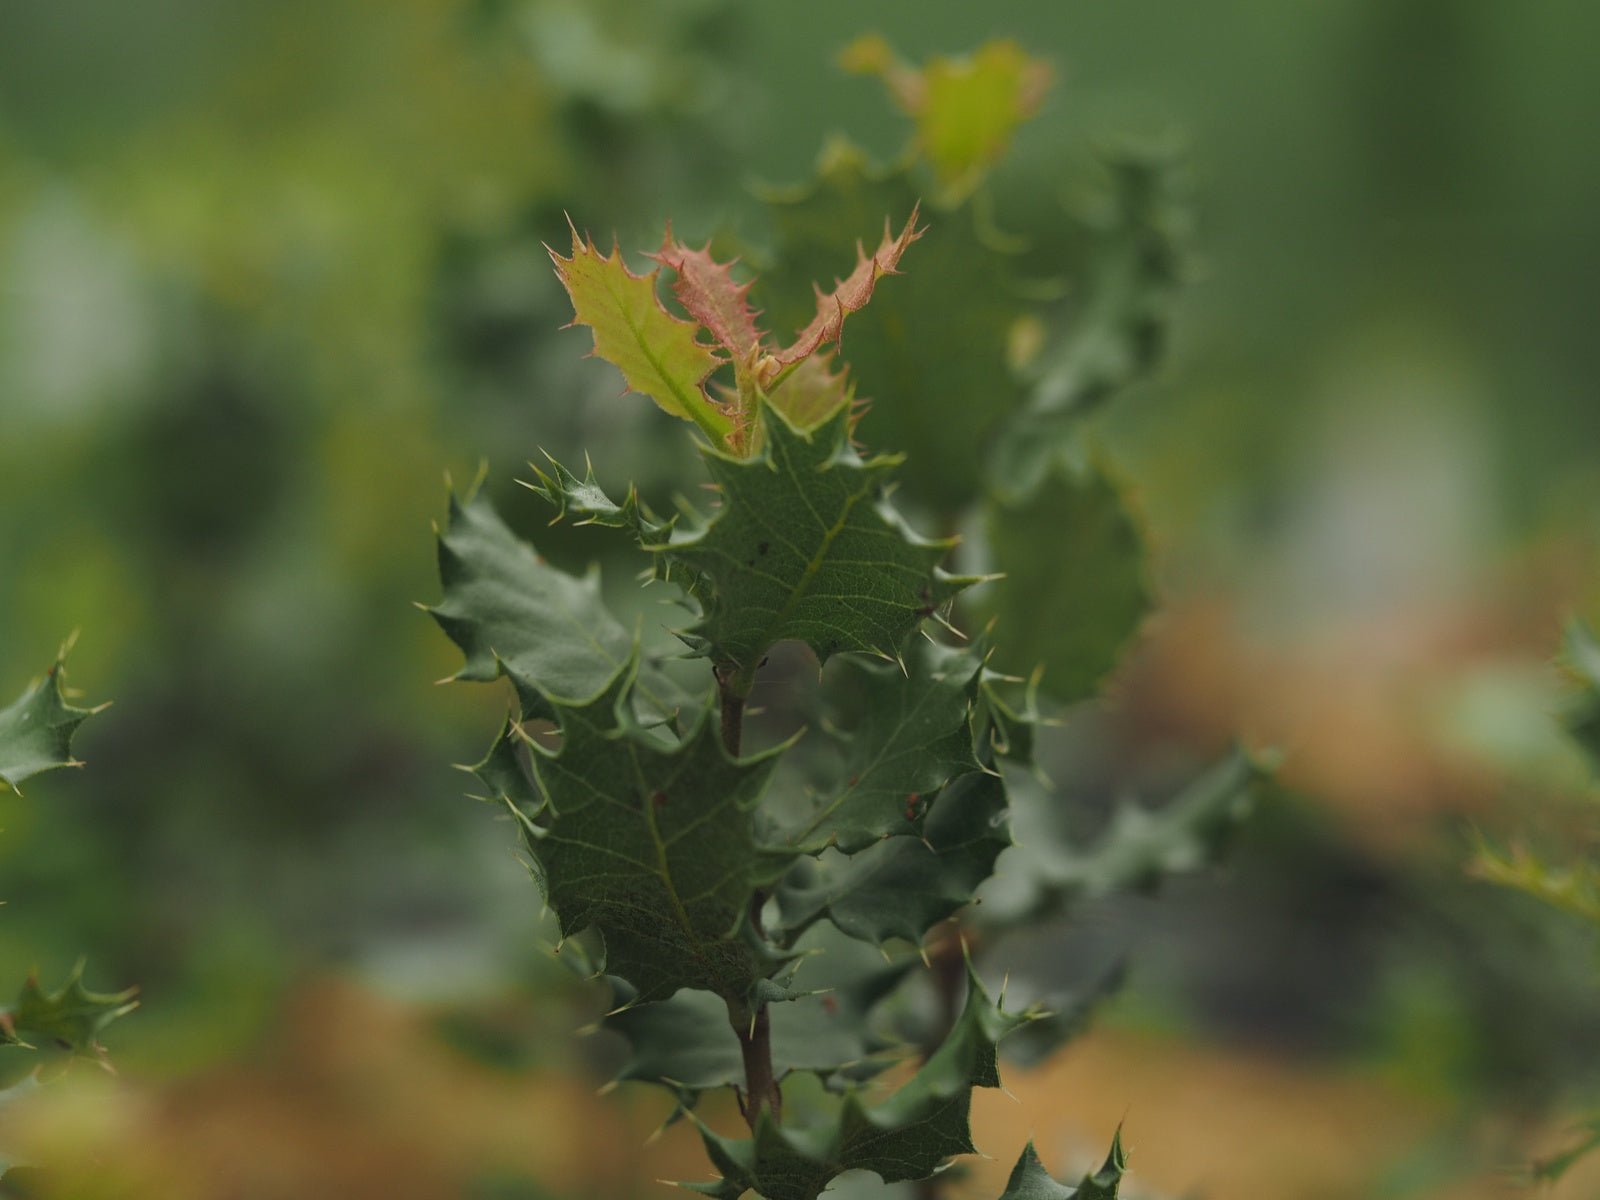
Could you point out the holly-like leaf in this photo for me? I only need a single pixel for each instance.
(851, 294)
(904, 729)
(930, 353)
(805, 546)
(1136, 851)
(906, 1136)
(513, 614)
(900, 887)
(966, 109)
(1030, 1181)
(1075, 592)
(710, 294)
(659, 355)
(813, 393)
(1115, 321)
(650, 842)
(69, 1018)
(1583, 721)
(36, 730)
(687, 1045)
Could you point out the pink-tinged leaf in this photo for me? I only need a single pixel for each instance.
(708, 292)
(851, 294)
(658, 354)
(813, 392)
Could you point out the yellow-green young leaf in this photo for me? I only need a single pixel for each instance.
(1074, 591)
(36, 730)
(658, 354)
(814, 392)
(1573, 889)
(966, 109)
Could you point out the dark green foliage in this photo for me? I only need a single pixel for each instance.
(1030, 1181)
(36, 730)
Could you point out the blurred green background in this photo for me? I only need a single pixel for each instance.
(270, 269)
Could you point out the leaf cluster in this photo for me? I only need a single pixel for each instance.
(766, 915)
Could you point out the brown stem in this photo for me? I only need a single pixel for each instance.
(754, 1029)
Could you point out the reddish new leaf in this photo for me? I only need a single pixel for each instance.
(851, 295)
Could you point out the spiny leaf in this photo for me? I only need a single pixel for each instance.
(813, 393)
(71, 1017)
(1075, 591)
(904, 730)
(851, 294)
(650, 842)
(966, 109)
(906, 1136)
(1583, 722)
(36, 729)
(1572, 889)
(687, 1045)
(806, 547)
(900, 887)
(513, 614)
(930, 355)
(1030, 1181)
(1114, 323)
(658, 354)
(708, 292)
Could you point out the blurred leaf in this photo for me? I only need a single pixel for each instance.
(1574, 890)
(1583, 652)
(930, 354)
(1074, 591)
(36, 729)
(70, 1018)
(966, 108)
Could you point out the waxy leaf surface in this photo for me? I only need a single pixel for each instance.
(650, 843)
(805, 546)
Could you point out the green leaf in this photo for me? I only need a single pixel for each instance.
(901, 887)
(687, 1044)
(513, 614)
(36, 730)
(1573, 889)
(1074, 592)
(930, 353)
(1136, 851)
(906, 1136)
(659, 355)
(903, 730)
(805, 546)
(966, 108)
(69, 1018)
(1583, 722)
(1030, 1181)
(813, 393)
(650, 843)
(1115, 328)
